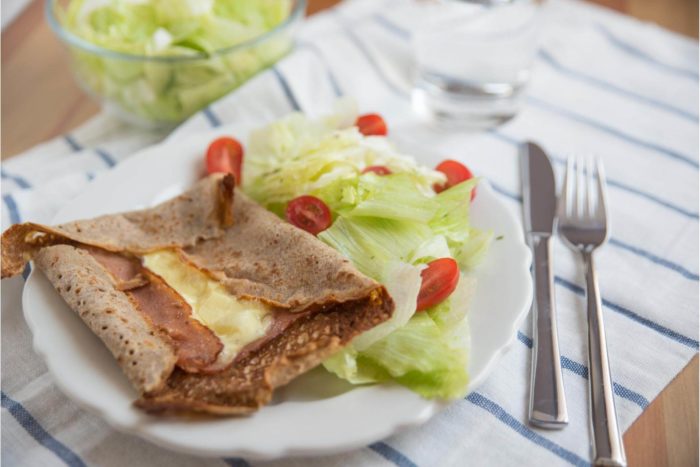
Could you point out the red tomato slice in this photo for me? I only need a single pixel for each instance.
(456, 172)
(440, 279)
(378, 169)
(371, 124)
(309, 213)
(225, 155)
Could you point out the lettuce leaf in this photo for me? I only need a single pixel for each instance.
(372, 242)
(389, 227)
(298, 155)
(159, 91)
(402, 281)
(428, 354)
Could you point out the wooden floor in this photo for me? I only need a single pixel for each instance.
(40, 100)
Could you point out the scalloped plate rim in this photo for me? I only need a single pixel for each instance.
(265, 451)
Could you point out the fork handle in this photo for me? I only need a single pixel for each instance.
(547, 401)
(607, 439)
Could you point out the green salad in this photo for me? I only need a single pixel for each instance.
(381, 210)
(179, 54)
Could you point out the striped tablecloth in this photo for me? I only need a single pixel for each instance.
(603, 84)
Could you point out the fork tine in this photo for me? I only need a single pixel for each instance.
(600, 212)
(580, 190)
(565, 196)
(590, 192)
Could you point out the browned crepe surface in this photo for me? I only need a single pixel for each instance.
(248, 385)
(264, 258)
(198, 214)
(145, 356)
(320, 301)
(195, 345)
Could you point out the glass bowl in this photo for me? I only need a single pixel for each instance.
(162, 91)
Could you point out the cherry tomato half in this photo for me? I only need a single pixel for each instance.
(225, 155)
(440, 279)
(309, 213)
(456, 173)
(378, 169)
(371, 124)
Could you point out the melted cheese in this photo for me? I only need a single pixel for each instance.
(236, 322)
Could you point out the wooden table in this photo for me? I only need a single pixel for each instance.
(40, 100)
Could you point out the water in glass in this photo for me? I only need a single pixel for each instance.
(474, 59)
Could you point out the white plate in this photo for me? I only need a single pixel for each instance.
(315, 414)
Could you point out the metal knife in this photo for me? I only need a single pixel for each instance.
(547, 401)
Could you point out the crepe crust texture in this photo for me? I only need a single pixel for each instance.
(319, 301)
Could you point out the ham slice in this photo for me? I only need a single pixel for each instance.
(320, 302)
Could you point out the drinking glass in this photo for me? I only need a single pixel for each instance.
(474, 59)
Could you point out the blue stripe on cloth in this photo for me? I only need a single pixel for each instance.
(582, 370)
(27, 271)
(391, 454)
(287, 89)
(499, 189)
(20, 181)
(70, 141)
(525, 340)
(578, 118)
(680, 338)
(562, 69)
(106, 157)
(620, 244)
(549, 59)
(368, 56)
(211, 117)
(653, 198)
(335, 84)
(582, 119)
(618, 389)
(236, 462)
(574, 367)
(506, 138)
(15, 218)
(32, 426)
(500, 413)
(630, 395)
(392, 26)
(611, 182)
(636, 52)
(655, 259)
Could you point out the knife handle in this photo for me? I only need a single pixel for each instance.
(547, 401)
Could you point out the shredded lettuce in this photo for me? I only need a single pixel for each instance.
(161, 91)
(427, 354)
(379, 218)
(298, 155)
(402, 281)
(371, 242)
(389, 227)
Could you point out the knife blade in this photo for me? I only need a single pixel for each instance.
(547, 401)
(539, 190)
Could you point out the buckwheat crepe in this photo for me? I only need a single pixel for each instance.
(316, 301)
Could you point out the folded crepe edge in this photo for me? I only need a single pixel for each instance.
(208, 205)
(146, 356)
(300, 348)
(149, 360)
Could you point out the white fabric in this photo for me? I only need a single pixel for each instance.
(10, 10)
(603, 84)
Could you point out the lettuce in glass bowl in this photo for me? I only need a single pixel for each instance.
(157, 62)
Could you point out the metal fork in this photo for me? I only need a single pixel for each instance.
(582, 221)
